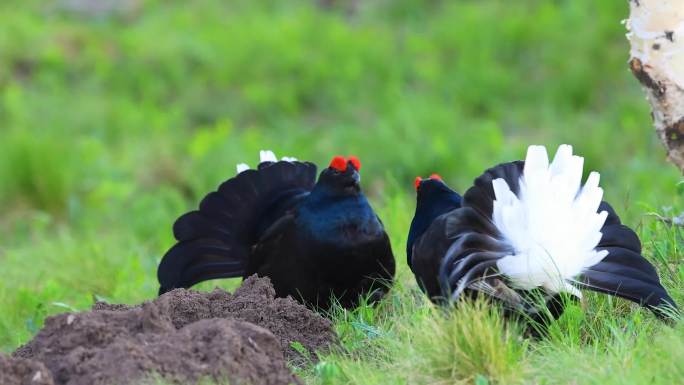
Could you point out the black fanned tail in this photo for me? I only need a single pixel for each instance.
(215, 241)
(624, 272)
(475, 245)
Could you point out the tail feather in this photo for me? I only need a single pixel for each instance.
(627, 284)
(625, 273)
(242, 167)
(194, 225)
(180, 265)
(552, 223)
(212, 270)
(219, 208)
(514, 209)
(481, 195)
(215, 240)
(620, 236)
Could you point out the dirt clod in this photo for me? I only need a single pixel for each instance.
(182, 336)
(19, 371)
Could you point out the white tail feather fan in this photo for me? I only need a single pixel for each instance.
(552, 223)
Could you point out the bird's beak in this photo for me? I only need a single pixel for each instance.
(354, 173)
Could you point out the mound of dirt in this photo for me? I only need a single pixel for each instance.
(254, 301)
(19, 371)
(182, 336)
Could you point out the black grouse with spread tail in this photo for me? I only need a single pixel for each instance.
(528, 230)
(315, 240)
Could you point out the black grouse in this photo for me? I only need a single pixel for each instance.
(315, 240)
(528, 230)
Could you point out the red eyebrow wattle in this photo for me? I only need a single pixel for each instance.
(355, 162)
(339, 163)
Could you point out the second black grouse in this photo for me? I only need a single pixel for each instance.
(528, 230)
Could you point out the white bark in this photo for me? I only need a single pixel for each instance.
(656, 36)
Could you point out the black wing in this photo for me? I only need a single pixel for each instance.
(215, 241)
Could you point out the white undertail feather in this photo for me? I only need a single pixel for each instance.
(552, 224)
(267, 156)
(264, 156)
(242, 167)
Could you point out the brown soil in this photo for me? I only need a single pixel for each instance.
(19, 371)
(182, 336)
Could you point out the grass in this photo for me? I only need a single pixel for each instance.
(113, 123)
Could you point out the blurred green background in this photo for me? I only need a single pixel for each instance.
(118, 116)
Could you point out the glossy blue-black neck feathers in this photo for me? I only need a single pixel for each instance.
(434, 198)
(337, 211)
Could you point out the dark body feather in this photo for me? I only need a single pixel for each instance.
(434, 199)
(313, 240)
(457, 253)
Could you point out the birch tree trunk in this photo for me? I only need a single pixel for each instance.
(656, 36)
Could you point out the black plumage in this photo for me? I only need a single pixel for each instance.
(457, 253)
(314, 240)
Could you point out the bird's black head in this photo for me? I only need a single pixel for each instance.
(342, 176)
(336, 211)
(433, 198)
(427, 189)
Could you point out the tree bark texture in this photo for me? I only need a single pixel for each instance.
(656, 36)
